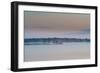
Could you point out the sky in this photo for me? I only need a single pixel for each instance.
(55, 24)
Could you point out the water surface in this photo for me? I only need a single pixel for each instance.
(65, 51)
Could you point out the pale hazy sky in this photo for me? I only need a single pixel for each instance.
(47, 22)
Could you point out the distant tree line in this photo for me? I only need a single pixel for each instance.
(56, 40)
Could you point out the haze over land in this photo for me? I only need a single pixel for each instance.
(50, 24)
